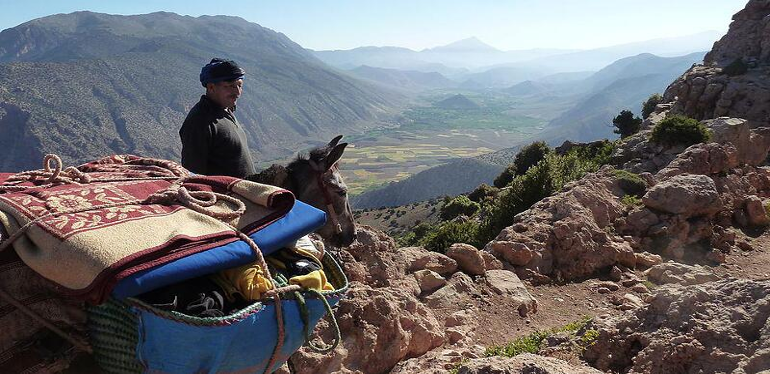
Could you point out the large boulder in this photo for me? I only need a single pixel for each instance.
(716, 327)
(380, 327)
(523, 363)
(687, 195)
(468, 258)
(504, 282)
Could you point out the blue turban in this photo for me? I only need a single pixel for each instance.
(219, 70)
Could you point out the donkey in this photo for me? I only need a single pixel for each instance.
(315, 179)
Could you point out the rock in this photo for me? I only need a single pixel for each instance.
(647, 259)
(504, 282)
(673, 272)
(429, 280)
(640, 288)
(380, 327)
(514, 253)
(685, 195)
(456, 292)
(568, 236)
(439, 361)
(490, 261)
(716, 256)
(419, 258)
(755, 211)
(612, 286)
(603, 290)
(744, 245)
(633, 300)
(523, 363)
(468, 258)
(706, 159)
(616, 274)
(715, 327)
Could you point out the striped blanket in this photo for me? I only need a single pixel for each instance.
(124, 214)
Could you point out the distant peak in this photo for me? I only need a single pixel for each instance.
(472, 44)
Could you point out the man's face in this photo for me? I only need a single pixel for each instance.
(225, 93)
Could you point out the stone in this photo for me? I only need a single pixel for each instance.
(423, 259)
(514, 253)
(468, 258)
(504, 282)
(755, 211)
(523, 363)
(647, 259)
(429, 280)
(693, 326)
(686, 195)
(490, 261)
(674, 272)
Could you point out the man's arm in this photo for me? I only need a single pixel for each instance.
(196, 141)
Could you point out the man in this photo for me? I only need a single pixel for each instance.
(213, 142)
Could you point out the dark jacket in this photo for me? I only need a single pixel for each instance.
(214, 143)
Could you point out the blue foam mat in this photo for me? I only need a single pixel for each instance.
(301, 220)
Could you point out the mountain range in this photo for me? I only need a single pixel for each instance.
(86, 84)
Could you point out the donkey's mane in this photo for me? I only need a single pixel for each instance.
(303, 157)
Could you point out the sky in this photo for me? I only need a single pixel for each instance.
(419, 24)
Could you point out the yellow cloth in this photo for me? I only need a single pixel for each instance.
(247, 280)
(315, 280)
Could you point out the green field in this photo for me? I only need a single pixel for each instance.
(428, 136)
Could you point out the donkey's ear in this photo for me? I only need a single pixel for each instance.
(334, 141)
(335, 155)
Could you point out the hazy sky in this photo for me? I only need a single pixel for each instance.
(418, 24)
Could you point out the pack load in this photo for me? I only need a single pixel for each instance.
(168, 260)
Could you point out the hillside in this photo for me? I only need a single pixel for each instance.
(451, 179)
(458, 101)
(83, 85)
(624, 84)
(402, 80)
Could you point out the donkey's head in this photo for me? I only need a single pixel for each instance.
(315, 179)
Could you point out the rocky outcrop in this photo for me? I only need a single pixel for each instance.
(710, 90)
(565, 235)
(717, 327)
(523, 363)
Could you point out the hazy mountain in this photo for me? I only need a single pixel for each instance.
(625, 84)
(404, 80)
(527, 88)
(458, 101)
(451, 179)
(597, 58)
(450, 60)
(505, 76)
(85, 84)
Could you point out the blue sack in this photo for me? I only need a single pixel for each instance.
(130, 336)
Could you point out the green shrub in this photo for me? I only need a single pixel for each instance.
(599, 152)
(631, 201)
(527, 157)
(440, 237)
(680, 130)
(537, 183)
(630, 183)
(483, 193)
(626, 124)
(460, 205)
(649, 106)
(532, 342)
(737, 67)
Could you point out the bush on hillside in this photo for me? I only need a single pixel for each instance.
(626, 124)
(649, 106)
(460, 205)
(527, 157)
(440, 237)
(539, 182)
(737, 67)
(630, 183)
(599, 152)
(680, 130)
(483, 193)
